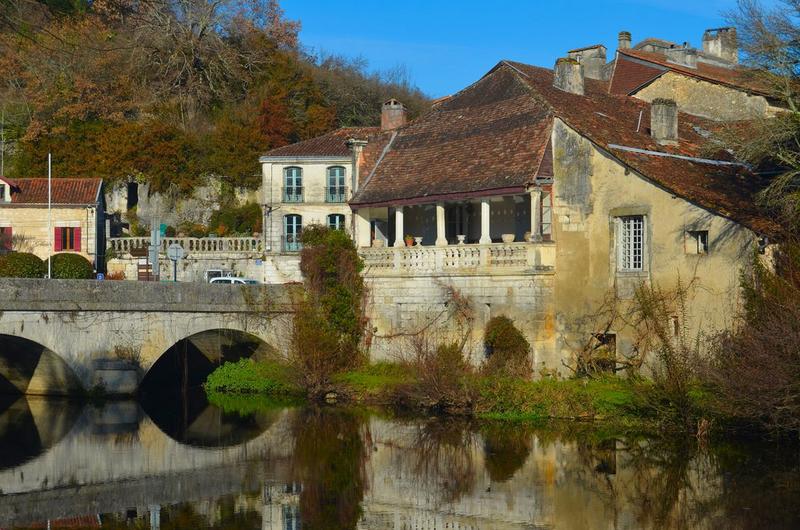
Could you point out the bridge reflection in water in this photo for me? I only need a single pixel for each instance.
(201, 467)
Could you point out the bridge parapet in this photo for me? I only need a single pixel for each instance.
(89, 295)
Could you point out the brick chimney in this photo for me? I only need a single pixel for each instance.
(624, 40)
(393, 115)
(721, 43)
(664, 121)
(568, 76)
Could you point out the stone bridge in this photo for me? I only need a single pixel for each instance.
(64, 336)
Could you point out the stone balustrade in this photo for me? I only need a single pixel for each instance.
(193, 245)
(491, 259)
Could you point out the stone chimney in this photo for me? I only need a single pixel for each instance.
(393, 115)
(683, 55)
(721, 43)
(624, 40)
(593, 59)
(664, 121)
(568, 76)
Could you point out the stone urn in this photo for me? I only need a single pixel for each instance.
(418, 241)
(507, 238)
(461, 238)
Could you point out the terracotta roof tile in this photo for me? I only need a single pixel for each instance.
(735, 77)
(493, 138)
(629, 74)
(333, 143)
(488, 138)
(72, 191)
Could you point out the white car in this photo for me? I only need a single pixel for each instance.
(233, 280)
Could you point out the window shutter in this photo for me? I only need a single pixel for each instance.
(6, 233)
(57, 237)
(78, 239)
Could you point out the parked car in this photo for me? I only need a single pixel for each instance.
(233, 280)
(210, 274)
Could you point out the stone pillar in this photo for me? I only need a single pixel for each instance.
(441, 238)
(536, 214)
(486, 211)
(361, 227)
(399, 234)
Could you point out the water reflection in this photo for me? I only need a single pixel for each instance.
(177, 465)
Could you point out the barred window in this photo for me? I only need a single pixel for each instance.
(631, 243)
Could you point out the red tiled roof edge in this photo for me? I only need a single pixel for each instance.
(65, 191)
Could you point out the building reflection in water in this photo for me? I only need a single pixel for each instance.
(196, 466)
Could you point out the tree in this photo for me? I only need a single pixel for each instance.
(770, 41)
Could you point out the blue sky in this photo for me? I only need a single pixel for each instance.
(446, 45)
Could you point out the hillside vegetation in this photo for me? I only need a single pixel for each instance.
(170, 91)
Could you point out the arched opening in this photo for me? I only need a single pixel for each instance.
(27, 367)
(30, 426)
(171, 392)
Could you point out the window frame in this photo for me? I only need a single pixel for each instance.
(340, 225)
(626, 257)
(291, 241)
(698, 242)
(293, 180)
(335, 184)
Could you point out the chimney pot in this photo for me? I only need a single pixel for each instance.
(624, 40)
(722, 43)
(393, 115)
(568, 76)
(664, 121)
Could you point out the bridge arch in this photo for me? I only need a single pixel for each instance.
(28, 367)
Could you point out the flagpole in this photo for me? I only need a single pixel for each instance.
(49, 212)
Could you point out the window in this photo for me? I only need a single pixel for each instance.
(335, 189)
(336, 221)
(547, 214)
(5, 237)
(697, 242)
(291, 517)
(292, 230)
(630, 242)
(67, 238)
(293, 184)
(2, 192)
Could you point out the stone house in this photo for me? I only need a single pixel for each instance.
(546, 194)
(77, 217)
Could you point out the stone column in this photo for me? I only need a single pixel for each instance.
(399, 234)
(486, 211)
(441, 238)
(361, 227)
(536, 214)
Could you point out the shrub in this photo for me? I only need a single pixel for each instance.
(329, 321)
(67, 266)
(245, 219)
(442, 378)
(508, 351)
(116, 275)
(21, 265)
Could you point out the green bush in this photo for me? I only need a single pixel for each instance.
(21, 265)
(67, 266)
(508, 351)
(250, 377)
(245, 219)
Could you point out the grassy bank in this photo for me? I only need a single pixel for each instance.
(623, 403)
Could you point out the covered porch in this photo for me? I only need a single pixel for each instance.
(509, 232)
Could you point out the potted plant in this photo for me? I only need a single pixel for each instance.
(409, 239)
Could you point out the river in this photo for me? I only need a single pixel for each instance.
(186, 464)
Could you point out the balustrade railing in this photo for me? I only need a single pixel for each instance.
(479, 259)
(194, 245)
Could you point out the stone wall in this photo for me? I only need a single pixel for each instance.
(266, 269)
(31, 223)
(709, 100)
(401, 307)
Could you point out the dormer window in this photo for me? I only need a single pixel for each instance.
(5, 192)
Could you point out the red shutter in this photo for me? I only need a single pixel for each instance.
(58, 245)
(5, 236)
(77, 246)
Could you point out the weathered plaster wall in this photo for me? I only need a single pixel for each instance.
(586, 261)
(266, 269)
(32, 223)
(709, 100)
(313, 209)
(401, 306)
